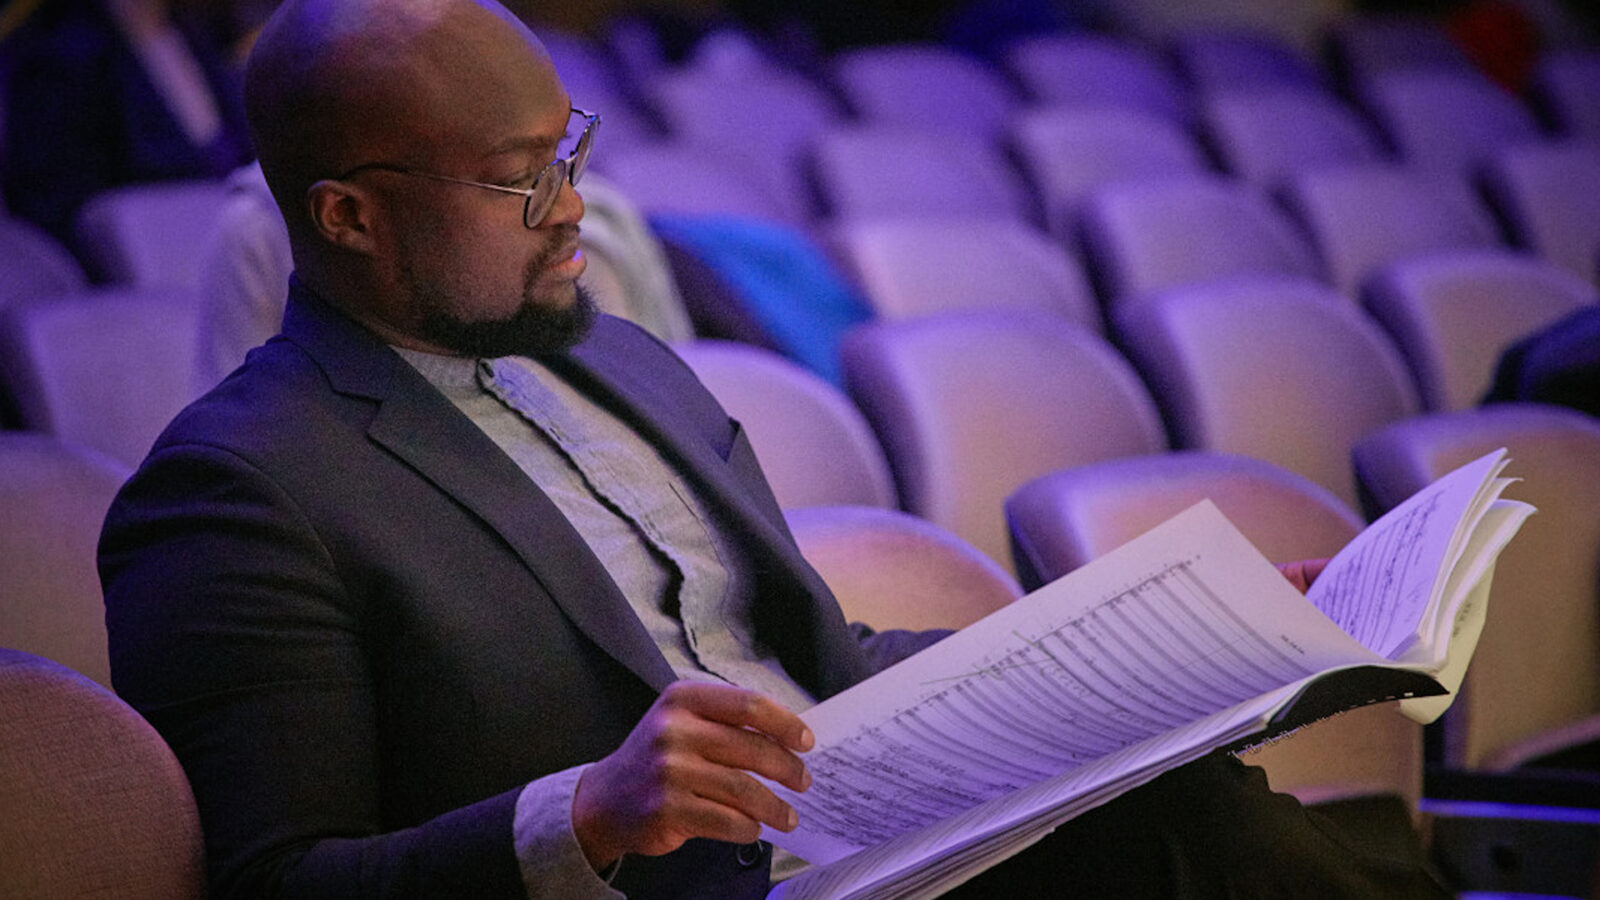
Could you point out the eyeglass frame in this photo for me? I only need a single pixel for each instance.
(567, 168)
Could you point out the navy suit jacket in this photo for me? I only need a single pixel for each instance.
(363, 629)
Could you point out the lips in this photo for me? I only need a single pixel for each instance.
(568, 262)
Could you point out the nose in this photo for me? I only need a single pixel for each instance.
(568, 208)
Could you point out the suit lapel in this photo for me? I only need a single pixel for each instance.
(417, 424)
(811, 639)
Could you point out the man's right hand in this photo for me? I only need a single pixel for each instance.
(685, 772)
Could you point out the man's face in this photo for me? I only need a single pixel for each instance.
(471, 279)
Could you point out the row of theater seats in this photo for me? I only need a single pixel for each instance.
(108, 367)
(1059, 466)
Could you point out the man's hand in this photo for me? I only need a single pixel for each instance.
(1302, 573)
(684, 772)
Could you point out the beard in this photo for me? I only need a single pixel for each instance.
(535, 329)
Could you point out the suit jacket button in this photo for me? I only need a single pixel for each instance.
(751, 854)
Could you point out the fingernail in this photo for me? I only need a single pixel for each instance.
(807, 739)
(805, 779)
(791, 820)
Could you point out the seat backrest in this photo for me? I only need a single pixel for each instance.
(969, 406)
(1447, 120)
(1537, 665)
(813, 444)
(889, 569)
(1566, 86)
(1550, 196)
(1148, 236)
(34, 265)
(865, 172)
(916, 267)
(1217, 58)
(1364, 45)
(150, 235)
(1069, 151)
(1287, 372)
(105, 368)
(53, 498)
(924, 87)
(1092, 70)
(595, 81)
(1265, 135)
(1364, 217)
(1453, 313)
(96, 804)
(676, 178)
(1063, 520)
(774, 114)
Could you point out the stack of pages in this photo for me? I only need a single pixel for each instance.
(1183, 641)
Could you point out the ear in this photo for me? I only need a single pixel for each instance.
(342, 215)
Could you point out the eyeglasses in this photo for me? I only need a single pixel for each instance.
(538, 198)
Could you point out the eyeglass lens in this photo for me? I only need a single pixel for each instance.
(566, 167)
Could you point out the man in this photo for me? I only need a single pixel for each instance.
(447, 592)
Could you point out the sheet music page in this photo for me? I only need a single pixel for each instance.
(1403, 558)
(1124, 649)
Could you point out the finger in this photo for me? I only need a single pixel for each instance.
(741, 708)
(707, 818)
(735, 748)
(741, 794)
(1303, 572)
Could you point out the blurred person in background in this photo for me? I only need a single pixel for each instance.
(105, 93)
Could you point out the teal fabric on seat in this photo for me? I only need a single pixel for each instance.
(790, 287)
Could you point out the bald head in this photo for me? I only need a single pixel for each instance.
(335, 84)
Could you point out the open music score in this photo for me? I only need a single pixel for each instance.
(1182, 641)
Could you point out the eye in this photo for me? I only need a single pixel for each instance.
(521, 181)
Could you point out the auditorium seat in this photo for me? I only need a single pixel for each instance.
(923, 266)
(1566, 88)
(53, 498)
(96, 804)
(1240, 59)
(1269, 134)
(969, 406)
(1094, 70)
(865, 172)
(674, 178)
(105, 368)
(1363, 218)
(1452, 314)
(1363, 45)
(762, 117)
(1069, 151)
(1447, 120)
(924, 87)
(890, 569)
(33, 264)
(1142, 237)
(1535, 677)
(1549, 195)
(148, 235)
(813, 444)
(1287, 372)
(1066, 519)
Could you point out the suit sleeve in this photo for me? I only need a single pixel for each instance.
(231, 631)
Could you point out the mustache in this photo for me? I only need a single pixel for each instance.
(561, 238)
